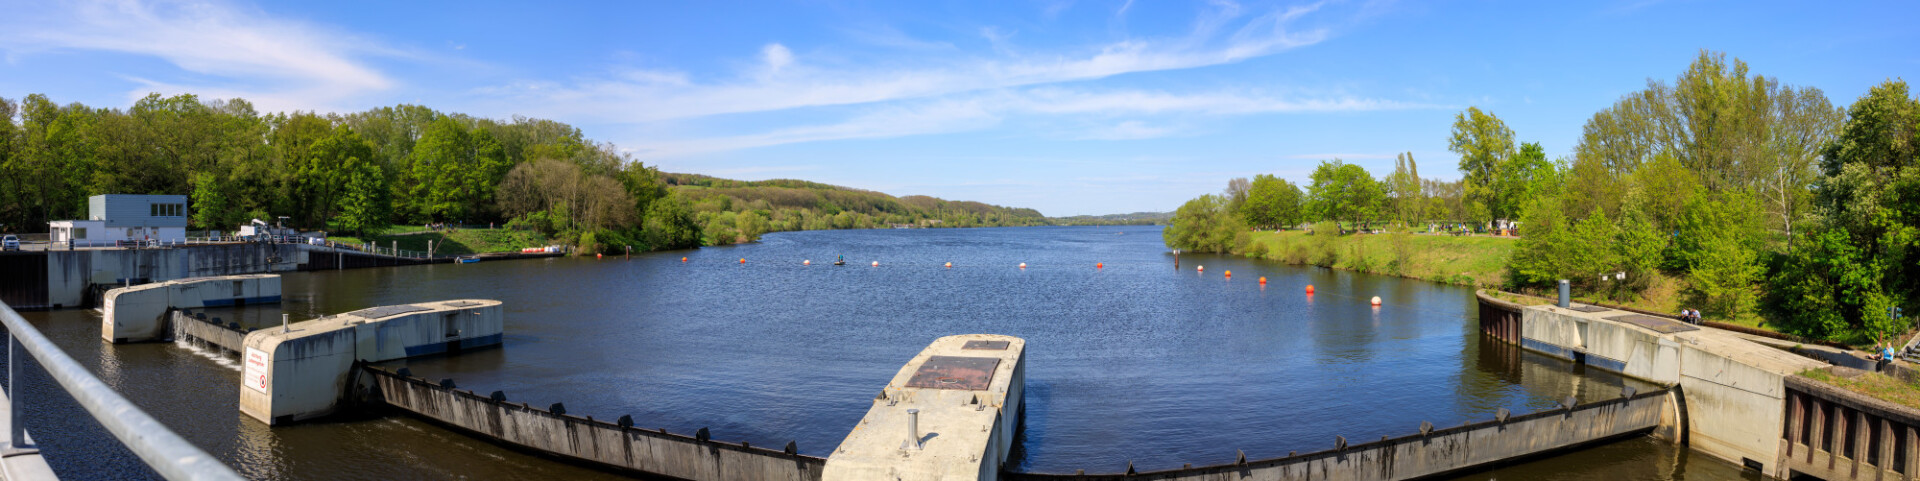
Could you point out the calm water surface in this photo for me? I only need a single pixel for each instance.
(1138, 361)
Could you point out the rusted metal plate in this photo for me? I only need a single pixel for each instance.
(955, 372)
(384, 311)
(1590, 309)
(986, 345)
(1661, 325)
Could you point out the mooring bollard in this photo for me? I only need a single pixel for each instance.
(284, 327)
(913, 427)
(1566, 299)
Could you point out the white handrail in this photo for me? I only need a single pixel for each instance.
(167, 453)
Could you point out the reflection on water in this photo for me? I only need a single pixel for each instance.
(1137, 361)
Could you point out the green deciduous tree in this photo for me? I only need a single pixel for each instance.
(1726, 128)
(1485, 144)
(1862, 258)
(1525, 175)
(670, 224)
(1345, 192)
(1272, 201)
(1407, 192)
(364, 204)
(1203, 225)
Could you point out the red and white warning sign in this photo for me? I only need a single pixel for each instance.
(254, 375)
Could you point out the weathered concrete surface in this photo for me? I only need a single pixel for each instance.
(194, 327)
(302, 372)
(1833, 433)
(966, 428)
(138, 313)
(586, 439)
(71, 272)
(1732, 388)
(1439, 452)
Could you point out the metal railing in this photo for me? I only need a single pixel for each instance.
(167, 453)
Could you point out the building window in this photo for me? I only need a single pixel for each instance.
(79, 233)
(166, 210)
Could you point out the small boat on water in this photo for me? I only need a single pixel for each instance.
(467, 259)
(840, 260)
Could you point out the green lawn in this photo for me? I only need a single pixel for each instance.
(1886, 388)
(456, 241)
(1466, 260)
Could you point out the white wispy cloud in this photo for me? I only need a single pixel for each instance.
(785, 80)
(230, 50)
(1346, 156)
(986, 110)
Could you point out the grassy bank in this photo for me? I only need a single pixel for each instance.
(453, 241)
(1478, 261)
(1475, 261)
(1886, 388)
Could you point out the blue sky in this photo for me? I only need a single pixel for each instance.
(1070, 107)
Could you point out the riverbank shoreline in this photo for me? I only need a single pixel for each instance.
(1477, 261)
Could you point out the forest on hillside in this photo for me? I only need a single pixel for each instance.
(358, 173)
(1759, 198)
(734, 210)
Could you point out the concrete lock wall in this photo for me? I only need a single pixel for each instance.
(71, 272)
(196, 328)
(950, 413)
(1498, 318)
(1731, 388)
(302, 371)
(654, 452)
(1734, 407)
(1833, 433)
(138, 313)
(1438, 452)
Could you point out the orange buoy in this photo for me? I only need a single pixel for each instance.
(1099, 265)
(1263, 279)
(876, 263)
(1309, 288)
(597, 256)
(683, 259)
(949, 265)
(1023, 265)
(743, 260)
(1199, 268)
(1376, 300)
(807, 262)
(1229, 273)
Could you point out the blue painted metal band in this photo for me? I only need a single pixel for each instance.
(1547, 348)
(440, 347)
(232, 301)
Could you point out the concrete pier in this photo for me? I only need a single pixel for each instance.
(1733, 390)
(950, 413)
(1429, 451)
(618, 445)
(139, 313)
(304, 370)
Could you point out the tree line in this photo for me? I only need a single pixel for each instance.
(1763, 201)
(359, 173)
(731, 211)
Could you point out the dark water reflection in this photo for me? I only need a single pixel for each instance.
(1134, 362)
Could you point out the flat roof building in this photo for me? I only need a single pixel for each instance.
(115, 218)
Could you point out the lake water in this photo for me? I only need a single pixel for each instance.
(1138, 361)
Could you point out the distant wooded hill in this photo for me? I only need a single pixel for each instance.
(1136, 218)
(734, 210)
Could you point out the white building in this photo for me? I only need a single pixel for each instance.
(121, 218)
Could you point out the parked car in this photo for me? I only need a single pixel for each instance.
(10, 243)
